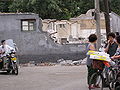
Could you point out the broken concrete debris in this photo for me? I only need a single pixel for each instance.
(61, 62)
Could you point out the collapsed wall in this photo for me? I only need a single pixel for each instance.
(36, 45)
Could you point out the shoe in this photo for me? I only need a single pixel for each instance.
(91, 87)
(97, 86)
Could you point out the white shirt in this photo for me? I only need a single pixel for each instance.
(6, 48)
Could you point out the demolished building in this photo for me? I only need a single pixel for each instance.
(34, 44)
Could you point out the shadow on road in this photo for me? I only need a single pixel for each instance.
(5, 73)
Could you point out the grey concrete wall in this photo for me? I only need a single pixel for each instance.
(35, 45)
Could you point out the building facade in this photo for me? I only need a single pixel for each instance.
(76, 29)
(26, 31)
(115, 22)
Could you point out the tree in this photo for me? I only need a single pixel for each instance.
(4, 5)
(115, 6)
(46, 8)
(57, 9)
(84, 6)
(21, 6)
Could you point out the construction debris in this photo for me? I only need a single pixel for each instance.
(61, 62)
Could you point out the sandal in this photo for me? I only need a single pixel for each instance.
(97, 86)
(91, 87)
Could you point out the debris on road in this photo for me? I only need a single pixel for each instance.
(31, 63)
(61, 62)
(76, 62)
(46, 64)
(84, 61)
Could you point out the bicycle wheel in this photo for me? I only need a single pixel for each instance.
(96, 79)
(111, 78)
(117, 88)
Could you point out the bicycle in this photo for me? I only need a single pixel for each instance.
(101, 78)
(116, 81)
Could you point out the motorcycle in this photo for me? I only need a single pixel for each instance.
(9, 63)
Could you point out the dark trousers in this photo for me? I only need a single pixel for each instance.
(91, 71)
(1, 64)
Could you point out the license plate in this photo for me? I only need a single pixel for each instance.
(14, 59)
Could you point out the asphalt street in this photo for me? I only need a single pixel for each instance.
(46, 78)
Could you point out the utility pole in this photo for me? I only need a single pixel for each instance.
(97, 16)
(107, 17)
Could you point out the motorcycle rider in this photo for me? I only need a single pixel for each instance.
(5, 49)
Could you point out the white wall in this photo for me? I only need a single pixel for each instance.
(86, 32)
(74, 30)
(115, 22)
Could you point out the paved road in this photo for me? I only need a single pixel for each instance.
(46, 78)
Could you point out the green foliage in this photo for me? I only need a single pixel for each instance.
(58, 9)
(4, 5)
(55, 9)
(84, 6)
(115, 6)
(21, 6)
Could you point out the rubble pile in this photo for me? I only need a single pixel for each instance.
(61, 62)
